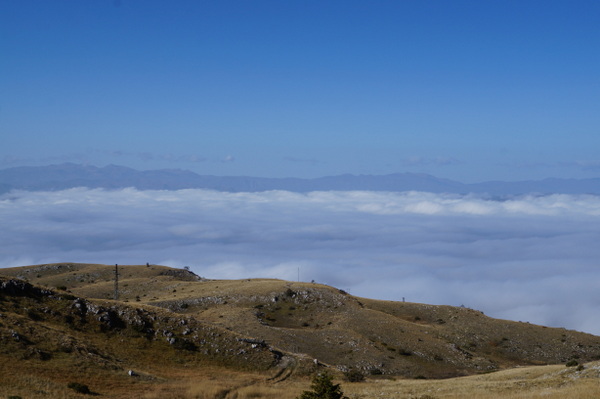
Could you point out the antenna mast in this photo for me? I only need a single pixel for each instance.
(116, 282)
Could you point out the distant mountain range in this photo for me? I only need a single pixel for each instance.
(69, 175)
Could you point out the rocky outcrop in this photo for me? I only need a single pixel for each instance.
(120, 321)
(19, 288)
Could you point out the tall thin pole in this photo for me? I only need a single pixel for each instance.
(116, 282)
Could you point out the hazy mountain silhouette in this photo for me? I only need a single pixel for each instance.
(69, 175)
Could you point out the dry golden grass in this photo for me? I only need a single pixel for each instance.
(521, 383)
(551, 382)
(212, 390)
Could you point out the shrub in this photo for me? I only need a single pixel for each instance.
(184, 344)
(405, 352)
(354, 376)
(572, 363)
(33, 315)
(323, 388)
(80, 388)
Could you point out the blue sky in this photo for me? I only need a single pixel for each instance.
(468, 90)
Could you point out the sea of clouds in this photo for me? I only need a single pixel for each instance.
(530, 258)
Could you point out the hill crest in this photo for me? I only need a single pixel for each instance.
(303, 321)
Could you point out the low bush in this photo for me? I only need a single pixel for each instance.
(354, 376)
(572, 363)
(323, 388)
(79, 388)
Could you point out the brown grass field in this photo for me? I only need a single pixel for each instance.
(552, 382)
(189, 337)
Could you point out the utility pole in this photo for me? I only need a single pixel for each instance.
(116, 282)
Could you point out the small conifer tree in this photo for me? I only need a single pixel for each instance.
(323, 388)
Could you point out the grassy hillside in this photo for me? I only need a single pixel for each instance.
(174, 328)
(51, 338)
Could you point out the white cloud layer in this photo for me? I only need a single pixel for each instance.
(532, 259)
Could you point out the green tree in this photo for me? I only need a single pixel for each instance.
(323, 388)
